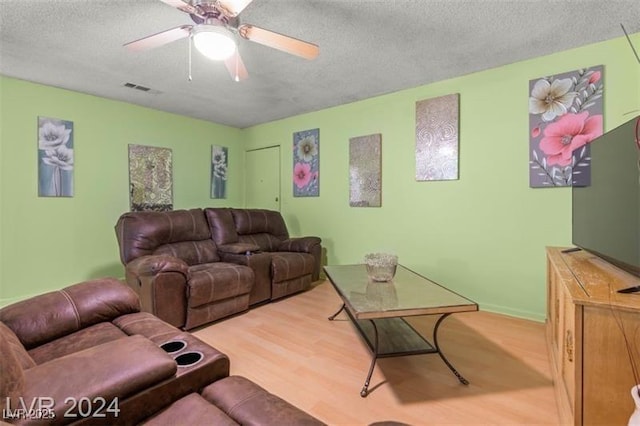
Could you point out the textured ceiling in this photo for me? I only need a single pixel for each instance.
(367, 48)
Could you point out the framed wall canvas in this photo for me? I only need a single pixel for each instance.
(150, 178)
(365, 171)
(219, 164)
(437, 122)
(306, 163)
(55, 157)
(565, 115)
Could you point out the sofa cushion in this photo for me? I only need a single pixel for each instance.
(249, 404)
(221, 225)
(191, 410)
(85, 338)
(117, 369)
(46, 317)
(286, 265)
(141, 233)
(9, 338)
(254, 221)
(192, 252)
(216, 281)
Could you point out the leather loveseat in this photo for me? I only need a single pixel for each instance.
(191, 267)
(259, 239)
(86, 355)
(173, 265)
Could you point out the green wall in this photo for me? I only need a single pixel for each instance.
(48, 243)
(483, 235)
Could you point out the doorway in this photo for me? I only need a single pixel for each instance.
(262, 178)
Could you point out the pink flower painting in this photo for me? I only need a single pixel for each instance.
(570, 132)
(306, 163)
(565, 115)
(302, 175)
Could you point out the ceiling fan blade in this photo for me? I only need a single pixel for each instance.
(233, 7)
(279, 41)
(159, 39)
(185, 7)
(236, 67)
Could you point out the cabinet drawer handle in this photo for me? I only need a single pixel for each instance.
(568, 345)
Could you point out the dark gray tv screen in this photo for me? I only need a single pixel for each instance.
(606, 211)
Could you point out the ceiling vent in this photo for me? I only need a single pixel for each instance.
(141, 88)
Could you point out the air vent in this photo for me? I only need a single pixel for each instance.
(141, 88)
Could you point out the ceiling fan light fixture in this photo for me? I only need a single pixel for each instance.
(214, 41)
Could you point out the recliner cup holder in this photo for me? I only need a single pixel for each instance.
(187, 359)
(173, 346)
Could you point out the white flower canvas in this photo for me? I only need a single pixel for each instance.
(55, 157)
(219, 164)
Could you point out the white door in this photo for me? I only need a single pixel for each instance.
(262, 178)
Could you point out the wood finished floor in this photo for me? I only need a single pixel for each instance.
(290, 348)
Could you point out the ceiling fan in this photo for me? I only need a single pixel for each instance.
(216, 24)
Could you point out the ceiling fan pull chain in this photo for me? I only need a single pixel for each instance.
(190, 78)
(237, 76)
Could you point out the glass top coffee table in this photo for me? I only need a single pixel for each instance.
(377, 310)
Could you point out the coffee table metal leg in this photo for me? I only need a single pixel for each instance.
(336, 314)
(365, 389)
(446, 361)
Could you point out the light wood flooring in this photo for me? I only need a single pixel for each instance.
(290, 348)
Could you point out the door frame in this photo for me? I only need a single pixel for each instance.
(279, 195)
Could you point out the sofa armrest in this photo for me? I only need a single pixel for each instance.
(161, 284)
(260, 263)
(155, 264)
(109, 371)
(48, 316)
(300, 244)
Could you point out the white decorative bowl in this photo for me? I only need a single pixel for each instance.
(381, 267)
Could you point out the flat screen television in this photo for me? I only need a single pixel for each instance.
(606, 204)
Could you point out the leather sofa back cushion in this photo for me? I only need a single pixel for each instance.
(221, 225)
(11, 370)
(9, 338)
(142, 233)
(254, 221)
(192, 252)
(48, 316)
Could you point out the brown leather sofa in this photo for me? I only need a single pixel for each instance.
(260, 239)
(191, 267)
(173, 265)
(90, 341)
(86, 355)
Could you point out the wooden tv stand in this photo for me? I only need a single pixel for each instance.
(590, 362)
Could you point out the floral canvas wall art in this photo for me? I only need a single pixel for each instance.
(150, 178)
(219, 163)
(55, 157)
(565, 115)
(437, 138)
(306, 163)
(365, 171)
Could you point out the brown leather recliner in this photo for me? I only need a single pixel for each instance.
(260, 239)
(233, 400)
(85, 354)
(173, 264)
